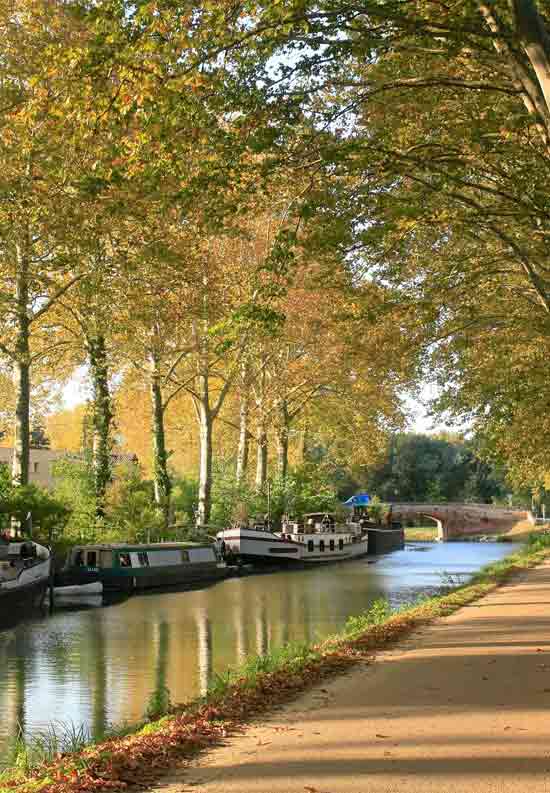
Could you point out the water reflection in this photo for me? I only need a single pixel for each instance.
(100, 666)
(204, 644)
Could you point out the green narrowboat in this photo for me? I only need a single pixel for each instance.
(125, 567)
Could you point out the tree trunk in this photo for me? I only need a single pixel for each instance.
(261, 459)
(282, 452)
(102, 419)
(205, 466)
(305, 444)
(22, 378)
(21, 448)
(282, 441)
(535, 41)
(242, 452)
(161, 477)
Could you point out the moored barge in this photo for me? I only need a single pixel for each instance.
(128, 567)
(318, 539)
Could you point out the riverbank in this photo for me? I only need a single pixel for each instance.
(264, 683)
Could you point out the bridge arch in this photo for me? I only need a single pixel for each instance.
(456, 520)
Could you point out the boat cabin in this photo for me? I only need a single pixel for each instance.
(108, 557)
(319, 521)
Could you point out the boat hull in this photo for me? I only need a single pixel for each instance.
(135, 579)
(263, 548)
(385, 540)
(22, 601)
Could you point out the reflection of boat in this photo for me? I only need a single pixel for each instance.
(24, 577)
(127, 567)
(78, 602)
(79, 590)
(318, 539)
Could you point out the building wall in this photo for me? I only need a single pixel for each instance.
(41, 464)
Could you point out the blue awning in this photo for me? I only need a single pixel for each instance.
(360, 500)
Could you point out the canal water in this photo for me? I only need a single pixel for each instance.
(98, 666)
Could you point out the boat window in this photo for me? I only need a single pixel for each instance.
(143, 558)
(124, 560)
(79, 559)
(331, 545)
(341, 545)
(199, 555)
(321, 545)
(92, 559)
(106, 559)
(164, 557)
(310, 545)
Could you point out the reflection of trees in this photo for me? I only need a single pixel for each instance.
(161, 669)
(18, 686)
(242, 638)
(13, 711)
(20, 691)
(98, 658)
(285, 617)
(205, 660)
(262, 629)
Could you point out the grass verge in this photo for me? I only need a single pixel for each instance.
(262, 683)
(421, 534)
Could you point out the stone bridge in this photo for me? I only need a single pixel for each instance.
(461, 520)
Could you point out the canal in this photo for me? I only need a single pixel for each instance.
(99, 665)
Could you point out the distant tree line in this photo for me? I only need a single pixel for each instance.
(427, 468)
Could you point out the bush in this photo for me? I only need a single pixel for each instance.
(74, 487)
(376, 509)
(306, 489)
(185, 498)
(132, 513)
(48, 515)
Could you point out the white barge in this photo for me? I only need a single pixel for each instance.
(319, 539)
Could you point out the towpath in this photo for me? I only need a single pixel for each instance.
(462, 706)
